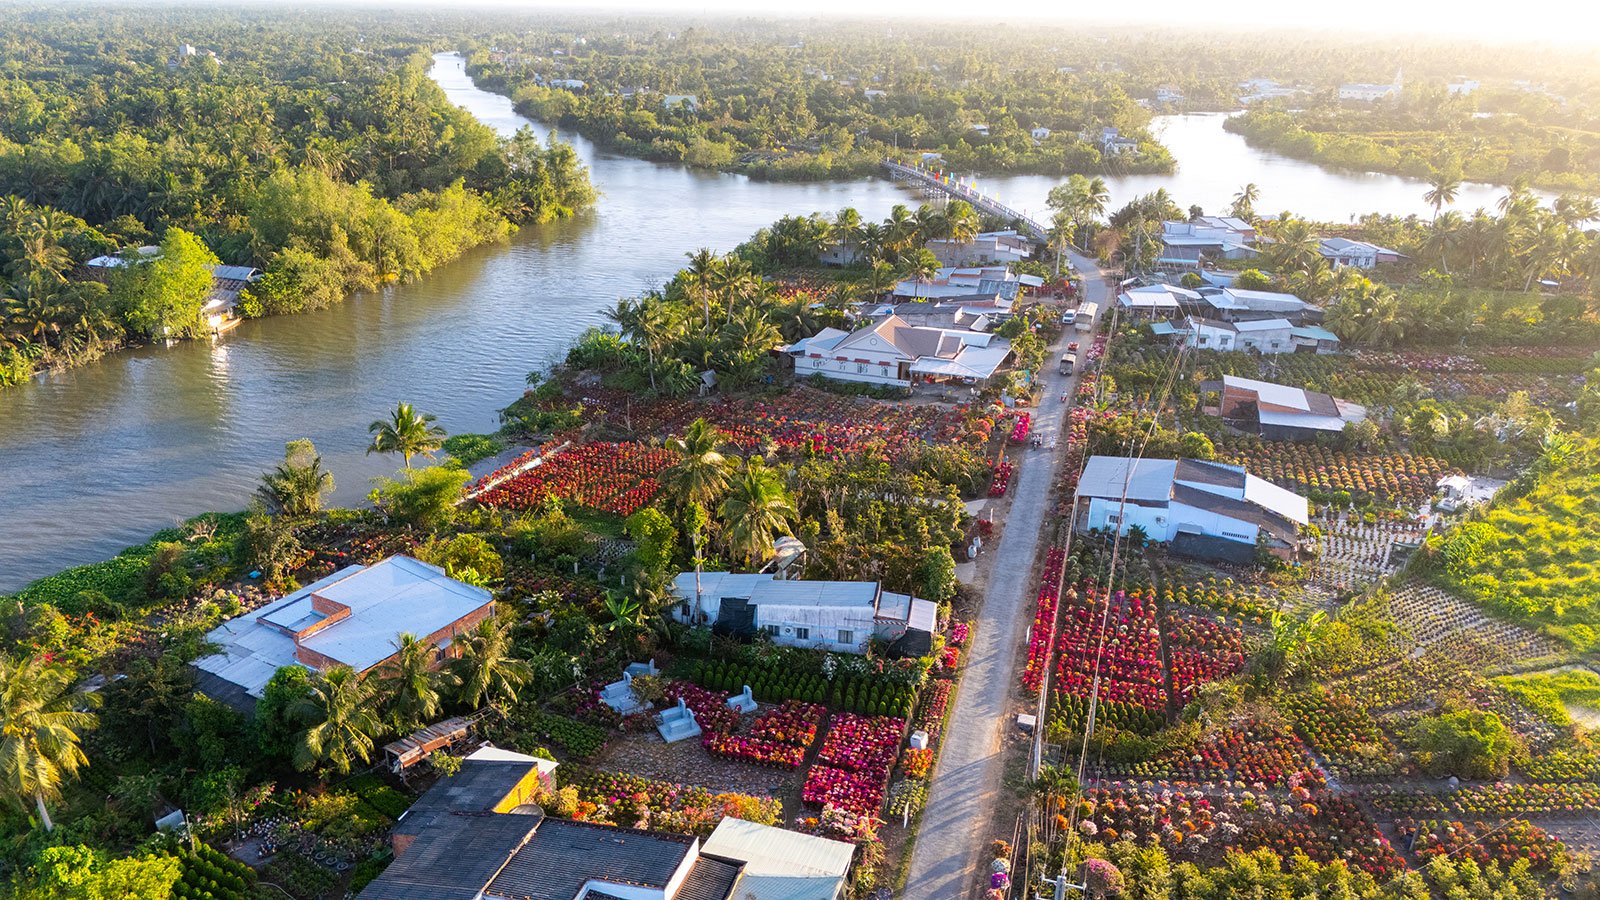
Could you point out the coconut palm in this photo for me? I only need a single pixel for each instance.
(703, 266)
(1444, 235)
(42, 720)
(407, 432)
(1442, 190)
(341, 720)
(961, 221)
(411, 683)
(701, 473)
(486, 671)
(756, 508)
(846, 229)
(296, 487)
(1244, 202)
(920, 265)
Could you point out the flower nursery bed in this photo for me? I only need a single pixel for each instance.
(1200, 826)
(1345, 733)
(1430, 614)
(1116, 638)
(1257, 754)
(1491, 801)
(616, 478)
(635, 800)
(1402, 479)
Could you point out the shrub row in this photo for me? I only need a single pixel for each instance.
(770, 685)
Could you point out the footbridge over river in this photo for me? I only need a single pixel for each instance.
(940, 185)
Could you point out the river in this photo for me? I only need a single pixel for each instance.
(97, 458)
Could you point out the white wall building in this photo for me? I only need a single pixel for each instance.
(1360, 254)
(1368, 93)
(968, 281)
(841, 616)
(986, 247)
(894, 353)
(1184, 500)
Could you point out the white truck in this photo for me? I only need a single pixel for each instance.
(1087, 313)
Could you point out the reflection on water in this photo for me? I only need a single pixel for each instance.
(95, 459)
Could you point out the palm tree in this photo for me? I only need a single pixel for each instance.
(407, 433)
(1096, 196)
(847, 229)
(922, 266)
(486, 670)
(1244, 202)
(409, 680)
(41, 722)
(703, 266)
(1442, 190)
(873, 239)
(1442, 237)
(701, 473)
(961, 221)
(296, 487)
(756, 509)
(341, 720)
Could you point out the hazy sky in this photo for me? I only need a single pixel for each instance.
(1565, 21)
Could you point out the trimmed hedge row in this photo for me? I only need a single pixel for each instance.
(866, 696)
(209, 874)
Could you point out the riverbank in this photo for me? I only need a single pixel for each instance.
(1494, 159)
(158, 435)
(800, 161)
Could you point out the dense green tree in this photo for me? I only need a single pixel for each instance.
(160, 297)
(422, 498)
(756, 509)
(485, 671)
(1468, 743)
(410, 683)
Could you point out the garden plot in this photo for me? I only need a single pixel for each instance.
(1353, 554)
(1437, 618)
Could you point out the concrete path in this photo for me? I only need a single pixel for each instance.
(957, 824)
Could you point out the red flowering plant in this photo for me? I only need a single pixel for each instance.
(854, 763)
(930, 715)
(710, 707)
(959, 632)
(618, 478)
(1044, 618)
(1002, 479)
(1116, 639)
(1200, 651)
(793, 723)
(1501, 842)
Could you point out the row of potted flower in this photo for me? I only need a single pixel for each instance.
(618, 478)
(1492, 800)
(1044, 619)
(794, 722)
(1001, 481)
(1255, 753)
(1116, 640)
(749, 748)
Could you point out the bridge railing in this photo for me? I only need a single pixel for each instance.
(971, 195)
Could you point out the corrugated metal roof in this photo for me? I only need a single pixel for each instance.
(1285, 503)
(454, 858)
(562, 856)
(780, 864)
(1109, 476)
